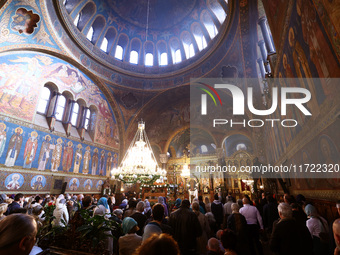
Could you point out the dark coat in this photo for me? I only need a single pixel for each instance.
(217, 210)
(12, 207)
(186, 229)
(141, 219)
(270, 214)
(291, 238)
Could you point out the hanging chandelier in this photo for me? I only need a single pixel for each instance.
(139, 163)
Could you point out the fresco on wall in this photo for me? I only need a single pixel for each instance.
(38, 182)
(88, 184)
(32, 182)
(320, 150)
(22, 76)
(74, 184)
(329, 13)
(14, 181)
(307, 52)
(99, 185)
(33, 149)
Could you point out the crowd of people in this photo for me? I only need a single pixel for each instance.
(268, 226)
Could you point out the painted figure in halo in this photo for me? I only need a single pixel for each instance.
(3, 136)
(14, 183)
(99, 185)
(68, 157)
(109, 164)
(44, 155)
(86, 162)
(88, 184)
(95, 159)
(38, 184)
(74, 184)
(77, 159)
(56, 155)
(102, 163)
(14, 147)
(115, 160)
(30, 150)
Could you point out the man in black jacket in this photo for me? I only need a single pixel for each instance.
(217, 210)
(186, 228)
(15, 205)
(289, 237)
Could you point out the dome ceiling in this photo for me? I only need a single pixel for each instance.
(163, 14)
(147, 36)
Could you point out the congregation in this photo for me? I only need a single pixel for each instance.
(287, 225)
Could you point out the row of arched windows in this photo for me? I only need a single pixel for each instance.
(64, 108)
(163, 53)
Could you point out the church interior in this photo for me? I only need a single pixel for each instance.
(77, 79)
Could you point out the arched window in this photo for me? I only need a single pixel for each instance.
(85, 15)
(134, 57)
(209, 25)
(59, 112)
(119, 52)
(177, 56)
(175, 47)
(98, 26)
(90, 34)
(135, 50)
(149, 51)
(76, 20)
(164, 59)
(204, 149)
(87, 117)
(199, 37)
(162, 53)
(218, 10)
(74, 114)
(191, 50)
(104, 45)
(70, 4)
(122, 45)
(149, 59)
(44, 100)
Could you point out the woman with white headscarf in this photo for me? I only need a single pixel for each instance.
(318, 228)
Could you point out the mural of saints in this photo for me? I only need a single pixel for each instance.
(14, 181)
(30, 149)
(44, 155)
(102, 163)
(77, 159)
(95, 161)
(3, 136)
(14, 147)
(38, 182)
(68, 157)
(109, 164)
(74, 184)
(88, 184)
(56, 155)
(115, 161)
(86, 162)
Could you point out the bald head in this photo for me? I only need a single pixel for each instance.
(336, 231)
(213, 245)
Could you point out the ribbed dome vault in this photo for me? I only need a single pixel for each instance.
(147, 36)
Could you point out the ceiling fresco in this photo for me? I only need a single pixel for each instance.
(162, 14)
